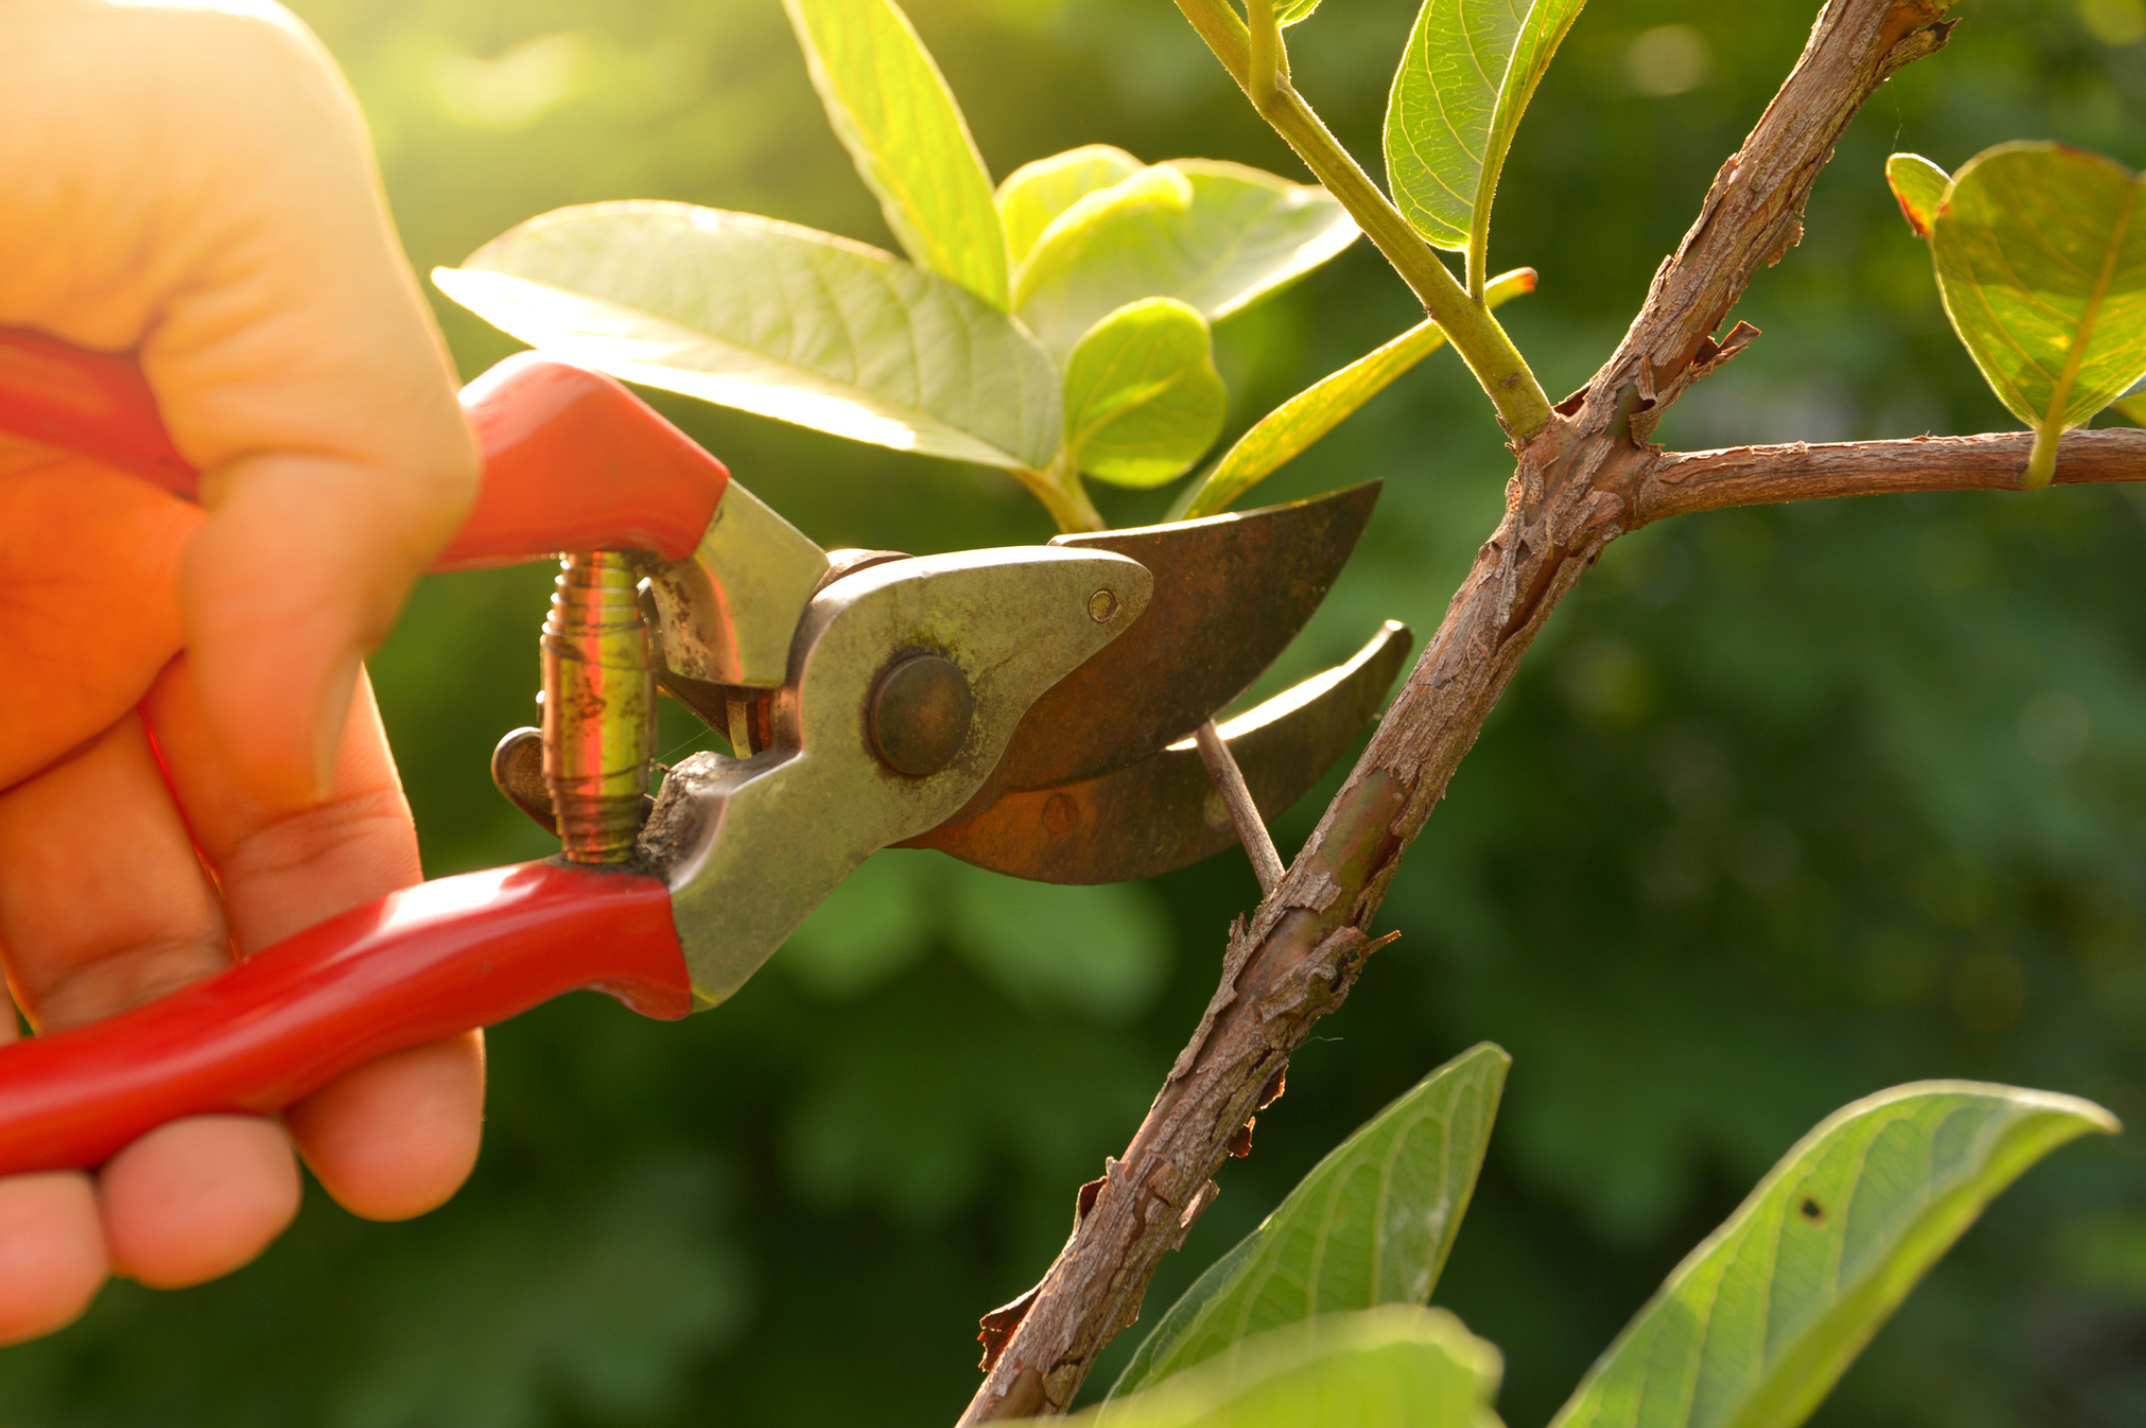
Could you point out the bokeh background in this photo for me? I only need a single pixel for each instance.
(1785, 806)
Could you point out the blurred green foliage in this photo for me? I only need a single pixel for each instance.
(1785, 806)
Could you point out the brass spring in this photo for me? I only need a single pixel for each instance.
(599, 706)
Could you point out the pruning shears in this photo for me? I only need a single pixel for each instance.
(1027, 709)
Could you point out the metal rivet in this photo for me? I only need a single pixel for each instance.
(1060, 817)
(920, 714)
(1102, 605)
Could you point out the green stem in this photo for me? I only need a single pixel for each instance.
(1523, 407)
(1263, 62)
(1063, 495)
(2042, 457)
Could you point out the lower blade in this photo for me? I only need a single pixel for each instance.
(1163, 812)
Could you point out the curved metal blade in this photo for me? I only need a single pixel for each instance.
(1231, 592)
(1163, 812)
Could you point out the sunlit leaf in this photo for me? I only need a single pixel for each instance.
(1466, 78)
(1218, 236)
(1281, 435)
(1294, 12)
(775, 319)
(1755, 1326)
(892, 110)
(1396, 1366)
(1371, 1224)
(1918, 187)
(1142, 397)
(1123, 225)
(1033, 195)
(2041, 260)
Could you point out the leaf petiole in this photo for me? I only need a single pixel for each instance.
(1058, 486)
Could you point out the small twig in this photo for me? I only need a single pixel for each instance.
(1229, 782)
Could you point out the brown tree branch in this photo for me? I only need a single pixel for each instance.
(1680, 483)
(1583, 480)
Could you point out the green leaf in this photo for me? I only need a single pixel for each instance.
(1282, 435)
(892, 110)
(1470, 68)
(1371, 1224)
(1918, 187)
(2041, 261)
(1217, 236)
(1757, 1324)
(1033, 195)
(1142, 396)
(1397, 1366)
(771, 318)
(1294, 12)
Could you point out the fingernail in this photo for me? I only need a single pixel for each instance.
(332, 714)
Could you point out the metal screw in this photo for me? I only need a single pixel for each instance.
(1102, 605)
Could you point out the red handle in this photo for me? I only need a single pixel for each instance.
(413, 967)
(572, 460)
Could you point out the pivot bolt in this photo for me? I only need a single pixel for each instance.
(1102, 605)
(920, 714)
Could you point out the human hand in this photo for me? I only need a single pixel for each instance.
(190, 761)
